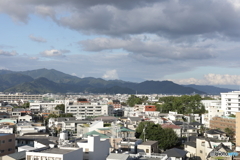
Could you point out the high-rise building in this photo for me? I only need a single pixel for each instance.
(230, 102)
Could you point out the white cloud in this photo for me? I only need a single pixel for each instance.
(74, 74)
(6, 53)
(54, 53)
(111, 74)
(211, 79)
(37, 39)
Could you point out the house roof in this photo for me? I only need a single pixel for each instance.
(169, 125)
(17, 155)
(115, 156)
(123, 129)
(96, 133)
(214, 131)
(195, 124)
(106, 118)
(175, 152)
(217, 148)
(177, 122)
(135, 118)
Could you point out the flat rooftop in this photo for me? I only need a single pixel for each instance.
(4, 134)
(149, 143)
(57, 151)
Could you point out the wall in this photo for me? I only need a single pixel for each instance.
(7, 143)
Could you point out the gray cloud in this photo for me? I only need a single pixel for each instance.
(7, 53)
(176, 20)
(149, 48)
(37, 39)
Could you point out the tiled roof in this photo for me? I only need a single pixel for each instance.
(173, 126)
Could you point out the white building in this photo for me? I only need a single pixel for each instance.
(86, 109)
(94, 148)
(230, 102)
(213, 108)
(56, 154)
(45, 106)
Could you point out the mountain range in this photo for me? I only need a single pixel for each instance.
(52, 81)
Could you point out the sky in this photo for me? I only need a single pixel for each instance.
(184, 41)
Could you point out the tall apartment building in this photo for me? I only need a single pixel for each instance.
(223, 122)
(7, 144)
(230, 102)
(237, 131)
(213, 108)
(86, 108)
(17, 97)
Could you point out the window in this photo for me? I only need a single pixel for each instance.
(147, 150)
(3, 141)
(10, 140)
(200, 151)
(9, 149)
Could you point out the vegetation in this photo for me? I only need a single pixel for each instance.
(230, 132)
(183, 105)
(232, 115)
(166, 138)
(56, 116)
(132, 100)
(60, 107)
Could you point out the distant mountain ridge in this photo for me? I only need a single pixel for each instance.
(53, 81)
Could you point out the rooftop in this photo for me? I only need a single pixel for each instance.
(149, 143)
(57, 151)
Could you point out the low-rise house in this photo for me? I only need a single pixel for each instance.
(176, 129)
(148, 147)
(26, 118)
(176, 154)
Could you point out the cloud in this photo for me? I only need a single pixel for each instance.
(212, 79)
(37, 39)
(149, 48)
(7, 53)
(54, 53)
(176, 20)
(111, 74)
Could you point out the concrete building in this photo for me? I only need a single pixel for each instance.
(18, 96)
(148, 147)
(85, 109)
(213, 108)
(44, 106)
(56, 154)
(7, 144)
(230, 102)
(144, 108)
(223, 122)
(94, 148)
(237, 131)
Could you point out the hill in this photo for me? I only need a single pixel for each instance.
(53, 81)
(209, 89)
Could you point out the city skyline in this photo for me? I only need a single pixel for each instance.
(187, 42)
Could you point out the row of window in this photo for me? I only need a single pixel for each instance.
(9, 149)
(3, 141)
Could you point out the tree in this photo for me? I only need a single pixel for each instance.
(26, 105)
(229, 132)
(60, 107)
(148, 130)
